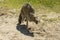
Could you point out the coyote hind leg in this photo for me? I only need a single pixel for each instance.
(20, 19)
(27, 22)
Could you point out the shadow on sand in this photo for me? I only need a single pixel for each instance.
(23, 29)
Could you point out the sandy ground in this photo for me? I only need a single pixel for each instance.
(47, 29)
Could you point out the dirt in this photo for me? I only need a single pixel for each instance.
(48, 27)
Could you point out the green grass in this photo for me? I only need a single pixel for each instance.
(53, 5)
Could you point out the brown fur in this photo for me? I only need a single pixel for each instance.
(27, 14)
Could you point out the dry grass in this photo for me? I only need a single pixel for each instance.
(47, 29)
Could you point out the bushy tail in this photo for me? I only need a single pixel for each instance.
(36, 21)
(32, 18)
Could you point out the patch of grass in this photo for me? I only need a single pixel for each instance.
(51, 19)
(54, 5)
